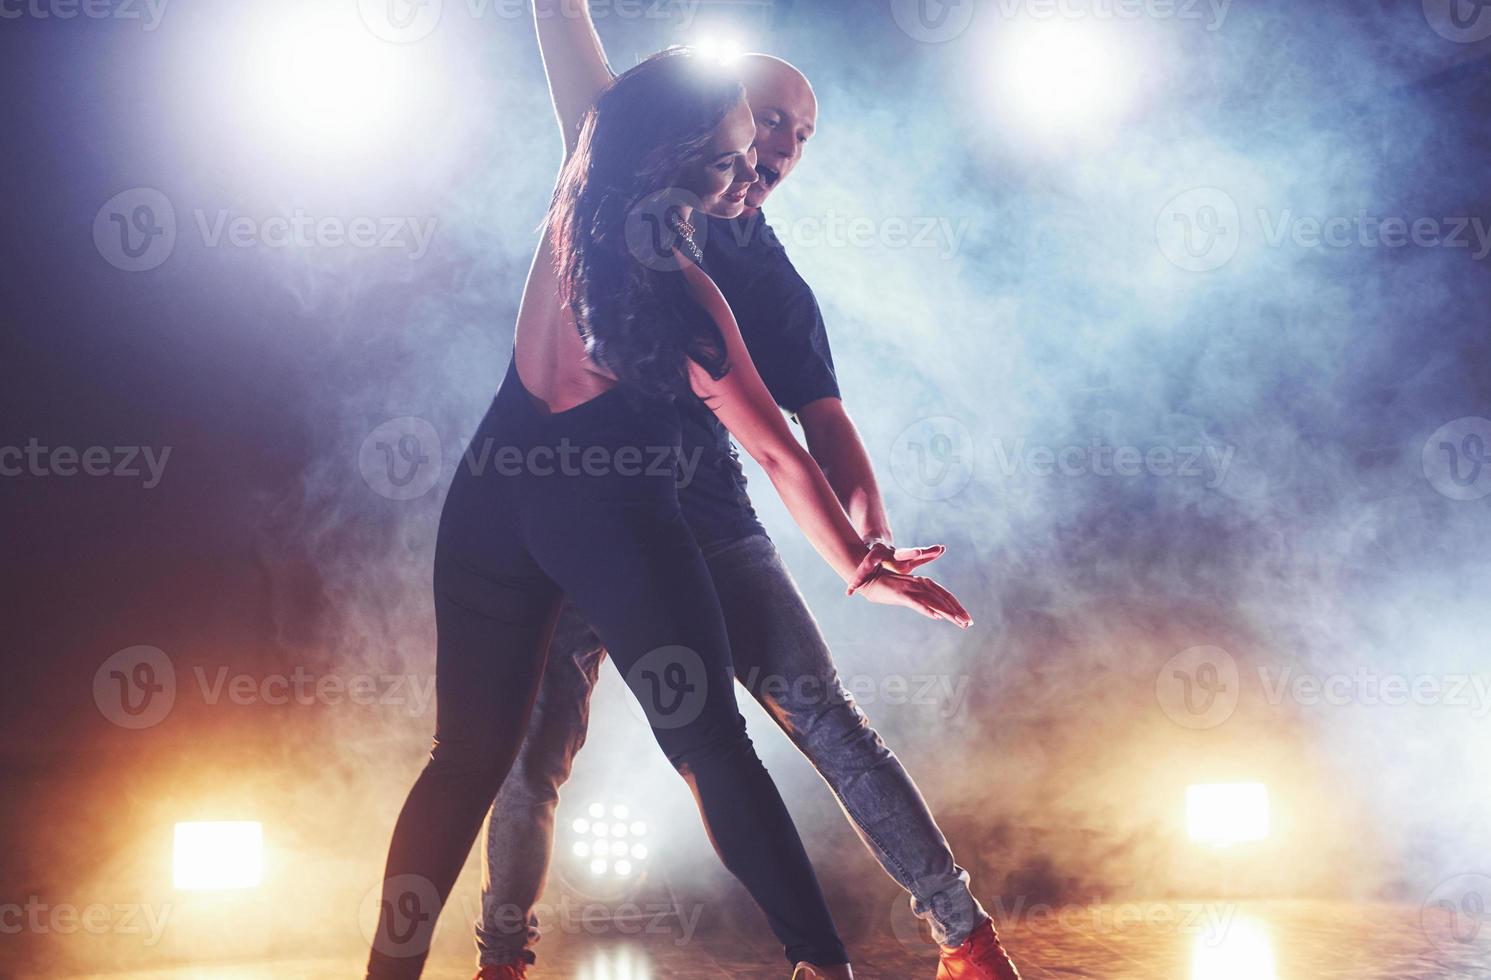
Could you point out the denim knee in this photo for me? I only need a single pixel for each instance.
(533, 786)
(840, 729)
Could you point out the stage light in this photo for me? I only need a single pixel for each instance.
(218, 855)
(718, 48)
(607, 850)
(1227, 813)
(316, 76)
(1063, 76)
(622, 963)
(1242, 952)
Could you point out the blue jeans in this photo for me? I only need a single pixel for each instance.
(781, 657)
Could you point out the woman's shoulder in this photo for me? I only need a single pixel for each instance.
(707, 293)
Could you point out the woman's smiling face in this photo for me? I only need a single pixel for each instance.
(721, 175)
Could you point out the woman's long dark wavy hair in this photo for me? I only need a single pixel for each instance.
(641, 323)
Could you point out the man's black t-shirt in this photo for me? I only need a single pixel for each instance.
(783, 329)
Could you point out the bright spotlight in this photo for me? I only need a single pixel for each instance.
(218, 855)
(1064, 76)
(607, 850)
(1242, 952)
(718, 48)
(316, 75)
(1227, 813)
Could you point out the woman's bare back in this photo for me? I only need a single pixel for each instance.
(552, 363)
(550, 354)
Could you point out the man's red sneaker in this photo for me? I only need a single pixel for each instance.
(981, 957)
(516, 970)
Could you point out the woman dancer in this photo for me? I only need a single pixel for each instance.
(604, 341)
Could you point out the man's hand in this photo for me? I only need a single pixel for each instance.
(903, 560)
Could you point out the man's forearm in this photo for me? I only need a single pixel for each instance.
(835, 443)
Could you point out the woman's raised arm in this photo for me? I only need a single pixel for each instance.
(574, 62)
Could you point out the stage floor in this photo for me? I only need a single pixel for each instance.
(1195, 941)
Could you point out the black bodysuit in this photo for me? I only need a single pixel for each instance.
(582, 502)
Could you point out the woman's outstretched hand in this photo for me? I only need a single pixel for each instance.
(916, 592)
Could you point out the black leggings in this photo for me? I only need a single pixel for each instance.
(582, 502)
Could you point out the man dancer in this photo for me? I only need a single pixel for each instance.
(772, 632)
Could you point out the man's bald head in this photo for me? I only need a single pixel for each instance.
(786, 112)
(765, 69)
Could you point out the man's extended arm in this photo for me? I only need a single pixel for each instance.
(835, 443)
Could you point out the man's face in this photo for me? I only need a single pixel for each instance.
(786, 113)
